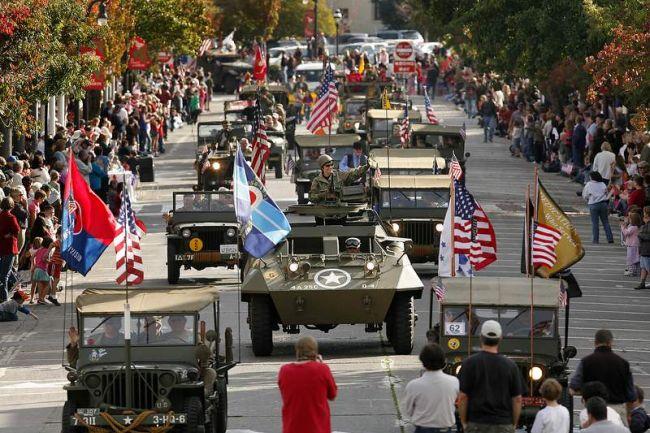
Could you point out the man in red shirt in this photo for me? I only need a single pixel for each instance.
(306, 386)
(9, 230)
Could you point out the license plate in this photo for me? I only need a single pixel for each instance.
(155, 419)
(229, 249)
(183, 257)
(532, 401)
(88, 411)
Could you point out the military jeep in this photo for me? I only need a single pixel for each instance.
(448, 141)
(311, 280)
(170, 373)
(382, 126)
(409, 161)
(214, 158)
(414, 207)
(351, 114)
(508, 301)
(202, 232)
(279, 92)
(308, 149)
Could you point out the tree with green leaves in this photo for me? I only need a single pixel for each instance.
(39, 56)
(252, 18)
(292, 14)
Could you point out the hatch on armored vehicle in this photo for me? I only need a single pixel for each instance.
(308, 277)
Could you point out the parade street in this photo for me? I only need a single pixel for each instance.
(369, 376)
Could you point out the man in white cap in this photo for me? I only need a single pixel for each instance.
(490, 387)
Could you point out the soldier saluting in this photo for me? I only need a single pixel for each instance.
(326, 187)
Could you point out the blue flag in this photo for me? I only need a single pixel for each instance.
(263, 223)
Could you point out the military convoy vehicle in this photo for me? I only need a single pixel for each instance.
(279, 92)
(215, 153)
(312, 280)
(227, 69)
(308, 149)
(414, 207)
(202, 232)
(236, 110)
(409, 161)
(538, 354)
(351, 114)
(382, 126)
(171, 375)
(449, 141)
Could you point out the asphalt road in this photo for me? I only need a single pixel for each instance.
(368, 375)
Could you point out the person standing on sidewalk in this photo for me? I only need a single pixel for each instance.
(306, 386)
(596, 195)
(490, 387)
(488, 112)
(605, 366)
(429, 401)
(9, 230)
(644, 248)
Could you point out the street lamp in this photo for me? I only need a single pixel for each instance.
(337, 19)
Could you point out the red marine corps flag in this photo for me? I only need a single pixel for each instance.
(259, 64)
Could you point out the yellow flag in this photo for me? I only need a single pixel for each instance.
(569, 250)
(385, 102)
(362, 64)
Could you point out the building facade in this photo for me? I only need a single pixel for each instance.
(359, 16)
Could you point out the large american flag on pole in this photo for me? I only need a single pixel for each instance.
(326, 105)
(405, 127)
(545, 239)
(431, 116)
(129, 230)
(473, 232)
(261, 146)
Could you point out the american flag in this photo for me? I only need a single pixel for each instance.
(431, 116)
(440, 290)
(563, 297)
(455, 170)
(128, 232)
(290, 165)
(205, 46)
(473, 231)
(545, 239)
(405, 128)
(326, 106)
(261, 146)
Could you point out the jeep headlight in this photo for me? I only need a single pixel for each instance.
(395, 227)
(293, 266)
(231, 232)
(186, 233)
(536, 373)
(216, 165)
(92, 381)
(167, 380)
(439, 227)
(456, 368)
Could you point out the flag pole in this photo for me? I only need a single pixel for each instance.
(566, 317)
(532, 282)
(127, 309)
(469, 314)
(452, 206)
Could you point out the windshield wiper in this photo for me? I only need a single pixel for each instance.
(101, 323)
(518, 315)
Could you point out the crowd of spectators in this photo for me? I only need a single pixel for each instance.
(132, 126)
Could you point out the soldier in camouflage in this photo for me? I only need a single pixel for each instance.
(326, 187)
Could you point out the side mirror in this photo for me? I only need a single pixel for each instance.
(569, 352)
(211, 335)
(467, 155)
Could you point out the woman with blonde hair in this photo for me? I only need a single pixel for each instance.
(306, 386)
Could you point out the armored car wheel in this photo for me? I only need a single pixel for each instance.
(261, 323)
(69, 409)
(194, 411)
(173, 268)
(402, 324)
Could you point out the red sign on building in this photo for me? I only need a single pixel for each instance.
(309, 23)
(139, 55)
(97, 79)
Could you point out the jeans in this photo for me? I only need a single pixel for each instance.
(599, 211)
(515, 147)
(488, 128)
(6, 263)
(470, 107)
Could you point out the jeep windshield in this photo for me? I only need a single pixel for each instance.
(515, 321)
(436, 141)
(150, 330)
(382, 128)
(204, 202)
(209, 133)
(354, 108)
(311, 154)
(416, 199)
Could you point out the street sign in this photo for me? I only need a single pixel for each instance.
(404, 58)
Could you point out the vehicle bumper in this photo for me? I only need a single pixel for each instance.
(209, 258)
(90, 417)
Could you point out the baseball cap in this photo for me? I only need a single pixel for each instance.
(11, 158)
(491, 329)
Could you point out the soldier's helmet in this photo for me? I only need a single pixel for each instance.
(324, 159)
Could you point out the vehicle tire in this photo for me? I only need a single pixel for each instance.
(194, 412)
(221, 413)
(229, 84)
(69, 409)
(278, 170)
(173, 268)
(261, 323)
(403, 324)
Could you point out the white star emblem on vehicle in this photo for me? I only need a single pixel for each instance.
(128, 420)
(332, 278)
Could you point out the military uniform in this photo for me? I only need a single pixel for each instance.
(321, 187)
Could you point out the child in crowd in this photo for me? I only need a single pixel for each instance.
(640, 421)
(554, 417)
(42, 278)
(630, 229)
(597, 389)
(644, 247)
(517, 131)
(54, 267)
(36, 245)
(9, 309)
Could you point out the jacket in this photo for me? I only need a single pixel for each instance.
(9, 230)
(640, 421)
(644, 240)
(322, 189)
